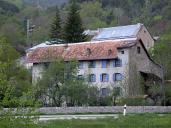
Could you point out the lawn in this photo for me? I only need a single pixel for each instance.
(130, 121)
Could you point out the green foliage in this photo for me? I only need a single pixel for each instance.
(7, 7)
(14, 79)
(55, 32)
(168, 94)
(132, 101)
(15, 91)
(93, 96)
(76, 92)
(162, 54)
(94, 16)
(24, 120)
(59, 83)
(73, 29)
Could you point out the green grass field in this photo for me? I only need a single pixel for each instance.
(130, 121)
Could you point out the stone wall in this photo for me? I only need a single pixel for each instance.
(108, 109)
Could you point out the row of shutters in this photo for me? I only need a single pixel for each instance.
(116, 77)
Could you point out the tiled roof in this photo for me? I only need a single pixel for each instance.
(80, 51)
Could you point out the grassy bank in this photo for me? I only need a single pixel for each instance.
(130, 121)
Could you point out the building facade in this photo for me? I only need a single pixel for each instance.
(108, 60)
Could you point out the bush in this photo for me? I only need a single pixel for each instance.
(105, 101)
(168, 95)
(133, 101)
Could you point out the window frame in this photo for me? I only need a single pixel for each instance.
(104, 77)
(92, 78)
(117, 62)
(80, 65)
(92, 64)
(115, 77)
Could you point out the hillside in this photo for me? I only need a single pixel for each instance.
(155, 14)
(39, 3)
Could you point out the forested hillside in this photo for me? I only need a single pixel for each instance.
(155, 14)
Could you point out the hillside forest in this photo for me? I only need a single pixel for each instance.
(155, 15)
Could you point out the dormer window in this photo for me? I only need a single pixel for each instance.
(109, 52)
(88, 51)
(66, 47)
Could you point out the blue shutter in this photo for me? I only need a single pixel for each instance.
(94, 78)
(114, 63)
(101, 78)
(120, 63)
(114, 77)
(104, 63)
(94, 64)
(107, 75)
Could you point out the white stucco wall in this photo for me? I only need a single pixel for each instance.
(98, 70)
(37, 70)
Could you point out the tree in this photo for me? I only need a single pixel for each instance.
(59, 84)
(54, 78)
(14, 90)
(73, 29)
(55, 32)
(14, 79)
(116, 91)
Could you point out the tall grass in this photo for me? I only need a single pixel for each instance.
(130, 121)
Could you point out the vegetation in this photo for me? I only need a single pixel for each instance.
(55, 32)
(73, 29)
(59, 84)
(94, 14)
(15, 90)
(130, 121)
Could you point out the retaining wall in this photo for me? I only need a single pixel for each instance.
(108, 109)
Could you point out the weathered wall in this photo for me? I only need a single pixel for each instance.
(108, 109)
(140, 63)
(146, 38)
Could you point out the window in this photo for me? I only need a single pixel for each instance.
(122, 52)
(104, 77)
(117, 77)
(80, 77)
(92, 78)
(117, 63)
(104, 91)
(109, 51)
(80, 66)
(138, 50)
(88, 51)
(46, 65)
(92, 64)
(105, 63)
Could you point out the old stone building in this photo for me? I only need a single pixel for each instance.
(115, 57)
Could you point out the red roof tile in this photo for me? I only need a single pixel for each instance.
(80, 51)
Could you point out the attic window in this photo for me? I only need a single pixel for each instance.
(109, 52)
(66, 47)
(88, 51)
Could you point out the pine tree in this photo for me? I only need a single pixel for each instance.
(73, 29)
(55, 32)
